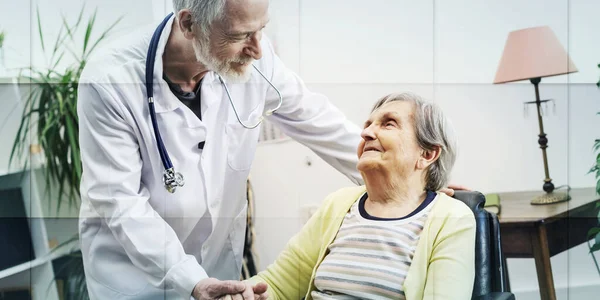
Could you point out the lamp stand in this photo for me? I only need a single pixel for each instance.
(550, 196)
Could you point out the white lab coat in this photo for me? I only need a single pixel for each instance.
(140, 242)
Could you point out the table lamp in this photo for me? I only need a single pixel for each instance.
(530, 54)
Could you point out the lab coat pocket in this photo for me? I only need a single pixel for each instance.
(242, 146)
(110, 266)
(237, 237)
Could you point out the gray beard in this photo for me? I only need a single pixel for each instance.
(221, 67)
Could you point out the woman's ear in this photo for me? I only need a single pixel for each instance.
(428, 157)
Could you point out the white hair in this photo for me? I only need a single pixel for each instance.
(432, 130)
(204, 12)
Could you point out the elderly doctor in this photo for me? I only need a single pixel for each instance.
(146, 232)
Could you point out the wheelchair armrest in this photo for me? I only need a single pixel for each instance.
(496, 296)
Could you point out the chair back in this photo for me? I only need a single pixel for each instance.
(490, 264)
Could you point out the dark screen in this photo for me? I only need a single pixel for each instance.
(15, 237)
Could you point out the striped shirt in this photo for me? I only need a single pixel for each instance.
(370, 256)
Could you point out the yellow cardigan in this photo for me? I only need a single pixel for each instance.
(443, 266)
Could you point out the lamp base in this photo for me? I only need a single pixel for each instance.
(550, 198)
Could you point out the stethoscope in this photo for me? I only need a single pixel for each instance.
(172, 179)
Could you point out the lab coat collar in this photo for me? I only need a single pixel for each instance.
(166, 100)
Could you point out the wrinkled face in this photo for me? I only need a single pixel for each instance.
(389, 141)
(234, 42)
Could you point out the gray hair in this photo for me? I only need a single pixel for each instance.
(204, 12)
(432, 129)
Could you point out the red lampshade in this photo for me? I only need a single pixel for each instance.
(532, 53)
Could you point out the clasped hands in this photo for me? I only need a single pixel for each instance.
(214, 289)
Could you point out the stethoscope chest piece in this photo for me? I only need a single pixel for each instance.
(172, 180)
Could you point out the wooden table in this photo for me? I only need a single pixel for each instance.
(542, 231)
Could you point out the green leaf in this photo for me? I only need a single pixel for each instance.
(70, 29)
(596, 144)
(103, 36)
(593, 232)
(71, 130)
(58, 60)
(61, 187)
(595, 248)
(73, 53)
(59, 41)
(39, 21)
(88, 31)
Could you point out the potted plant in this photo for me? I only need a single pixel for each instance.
(51, 108)
(50, 124)
(594, 233)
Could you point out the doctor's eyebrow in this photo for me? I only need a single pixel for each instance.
(236, 34)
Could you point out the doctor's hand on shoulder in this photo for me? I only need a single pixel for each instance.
(212, 288)
(452, 188)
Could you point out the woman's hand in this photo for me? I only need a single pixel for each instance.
(252, 292)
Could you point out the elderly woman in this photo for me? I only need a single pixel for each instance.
(395, 237)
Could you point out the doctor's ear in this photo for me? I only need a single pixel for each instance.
(186, 22)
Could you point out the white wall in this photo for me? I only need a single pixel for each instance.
(356, 51)
(22, 41)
